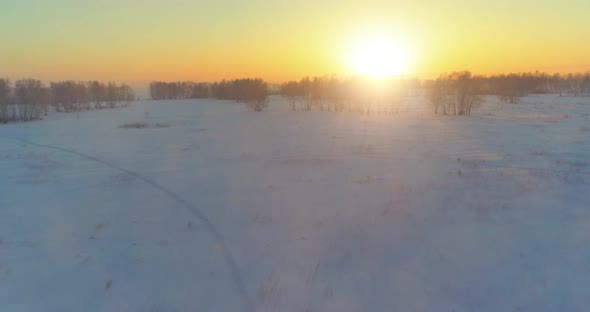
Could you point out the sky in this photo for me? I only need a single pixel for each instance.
(142, 40)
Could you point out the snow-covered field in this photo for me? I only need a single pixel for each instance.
(213, 208)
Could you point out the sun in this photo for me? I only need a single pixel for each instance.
(378, 57)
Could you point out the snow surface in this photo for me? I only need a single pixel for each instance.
(315, 211)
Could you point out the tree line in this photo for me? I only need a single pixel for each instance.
(458, 92)
(355, 94)
(252, 91)
(160, 90)
(29, 99)
(455, 94)
(521, 84)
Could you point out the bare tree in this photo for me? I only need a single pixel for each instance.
(4, 99)
(509, 88)
(111, 95)
(28, 94)
(455, 94)
(291, 91)
(305, 85)
(436, 95)
(126, 94)
(97, 92)
(466, 92)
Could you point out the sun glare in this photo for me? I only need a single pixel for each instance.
(378, 57)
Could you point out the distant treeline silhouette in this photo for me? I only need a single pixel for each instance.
(251, 91)
(355, 94)
(29, 99)
(160, 90)
(456, 93)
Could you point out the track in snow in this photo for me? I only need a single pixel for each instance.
(229, 258)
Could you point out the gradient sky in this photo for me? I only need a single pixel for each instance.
(142, 40)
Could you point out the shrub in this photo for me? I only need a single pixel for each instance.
(136, 125)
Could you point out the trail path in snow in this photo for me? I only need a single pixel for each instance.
(215, 234)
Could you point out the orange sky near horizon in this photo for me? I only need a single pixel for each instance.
(140, 41)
